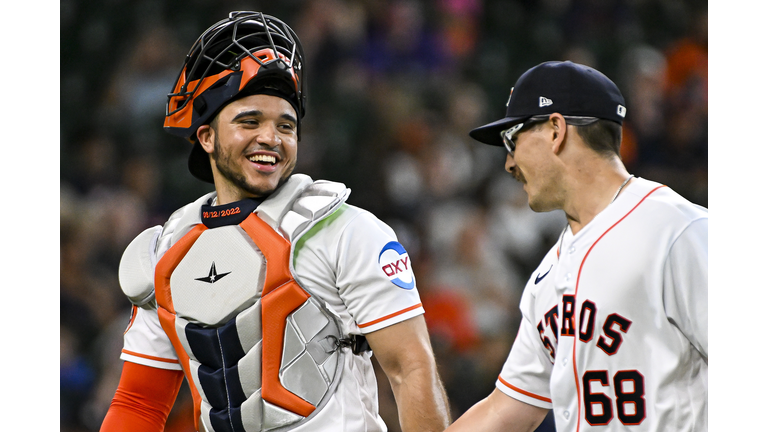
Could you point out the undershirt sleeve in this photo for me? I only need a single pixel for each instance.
(143, 399)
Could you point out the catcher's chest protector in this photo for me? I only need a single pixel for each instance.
(259, 351)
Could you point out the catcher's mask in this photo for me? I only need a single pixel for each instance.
(247, 53)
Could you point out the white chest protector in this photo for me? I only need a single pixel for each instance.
(260, 352)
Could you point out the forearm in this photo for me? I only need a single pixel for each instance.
(499, 413)
(421, 400)
(405, 354)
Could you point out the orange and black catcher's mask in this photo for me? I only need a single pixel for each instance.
(247, 53)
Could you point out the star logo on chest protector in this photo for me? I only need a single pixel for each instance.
(212, 275)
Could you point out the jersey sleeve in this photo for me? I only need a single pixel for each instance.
(374, 275)
(145, 342)
(685, 284)
(526, 373)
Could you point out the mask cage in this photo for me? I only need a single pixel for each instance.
(223, 45)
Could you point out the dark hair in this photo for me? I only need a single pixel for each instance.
(603, 136)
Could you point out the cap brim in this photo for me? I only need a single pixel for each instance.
(491, 133)
(199, 163)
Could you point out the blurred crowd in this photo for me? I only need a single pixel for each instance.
(394, 88)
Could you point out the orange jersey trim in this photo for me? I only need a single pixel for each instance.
(384, 318)
(529, 394)
(149, 357)
(134, 311)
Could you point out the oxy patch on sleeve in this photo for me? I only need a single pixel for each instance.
(396, 265)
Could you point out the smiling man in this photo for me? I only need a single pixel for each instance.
(270, 294)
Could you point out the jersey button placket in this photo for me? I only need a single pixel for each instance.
(559, 280)
(565, 277)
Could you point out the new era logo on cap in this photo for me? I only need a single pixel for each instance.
(544, 101)
(621, 111)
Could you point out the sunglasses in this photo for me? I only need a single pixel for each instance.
(508, 136)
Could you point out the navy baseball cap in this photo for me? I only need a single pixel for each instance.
(568, 88)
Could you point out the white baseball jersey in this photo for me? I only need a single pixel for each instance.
(352, 261)
(614, 329)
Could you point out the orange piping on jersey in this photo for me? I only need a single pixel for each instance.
(134, 312)
(280, 296)
(384, 318)
(165, 311)
(149, 357)
(576, 292)
(519, 390)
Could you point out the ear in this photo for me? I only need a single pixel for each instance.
(559, 130)
(207, 136)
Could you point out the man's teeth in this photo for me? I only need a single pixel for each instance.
(263, 158)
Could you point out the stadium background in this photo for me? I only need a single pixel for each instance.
(393, 87)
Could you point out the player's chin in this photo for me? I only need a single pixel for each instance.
(264, 185)
(534, 201)
(540, 205)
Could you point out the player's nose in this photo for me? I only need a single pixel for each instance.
(510, 164)
(268, 135)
